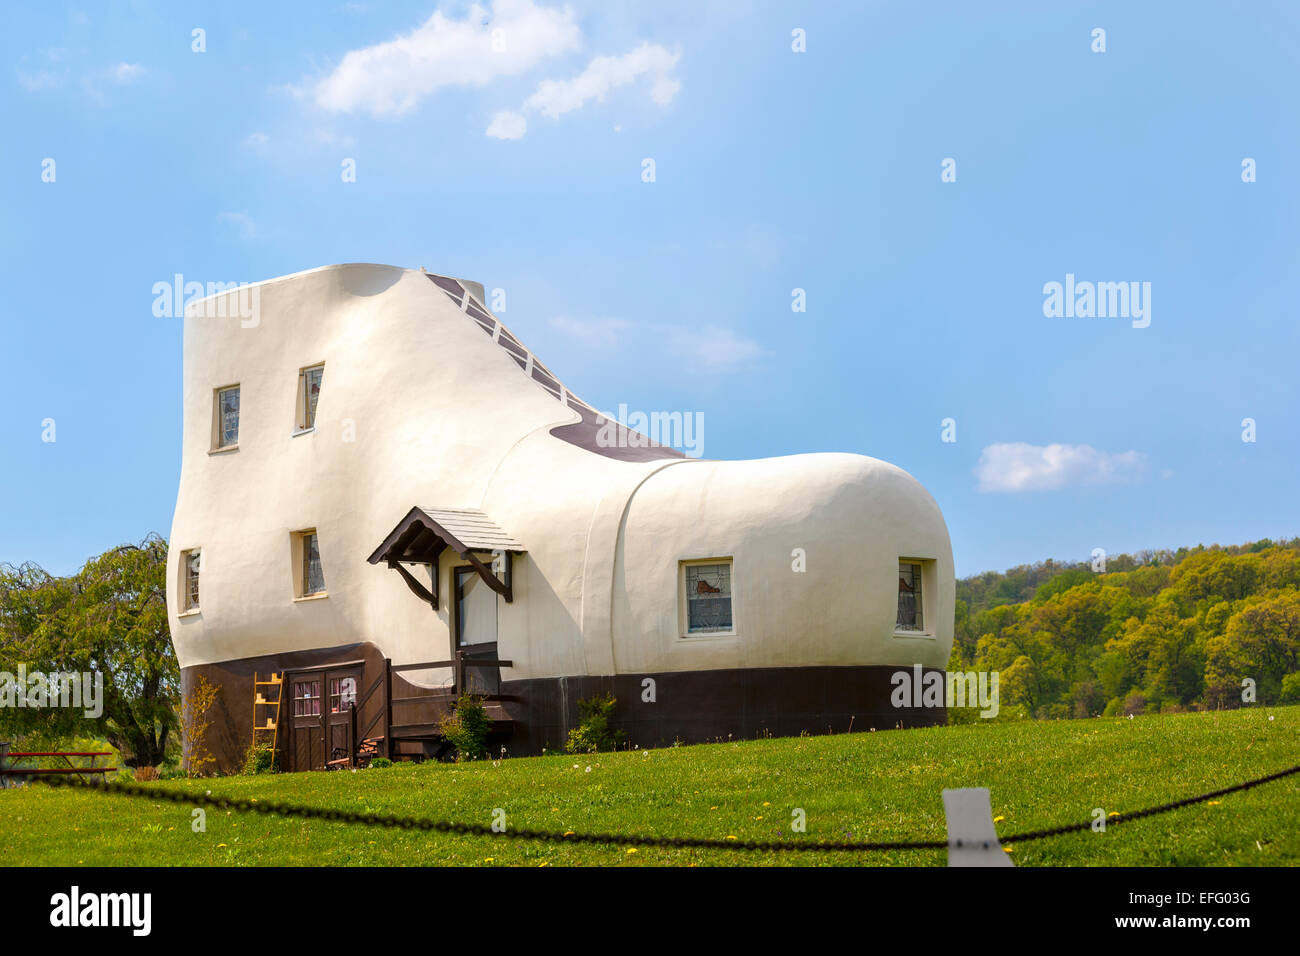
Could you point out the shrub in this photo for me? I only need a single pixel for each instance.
(380, 762)
(194, 727)
(466, 728)
(1291, 688)
(593, 733)
(259, 759)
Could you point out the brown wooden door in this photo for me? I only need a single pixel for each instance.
(306, 749)
(321, 705)
(340, 697)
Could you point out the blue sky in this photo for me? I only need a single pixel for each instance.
(774, 170)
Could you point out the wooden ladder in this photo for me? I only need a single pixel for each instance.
(271, 713)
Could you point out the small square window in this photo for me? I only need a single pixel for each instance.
(708, 598)
(309, 382)
(228, 417)
(191, 565)
(910, 605)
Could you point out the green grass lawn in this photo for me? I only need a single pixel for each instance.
(862, 786)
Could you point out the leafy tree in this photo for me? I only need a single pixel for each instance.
(110, 618)
(1261, 642)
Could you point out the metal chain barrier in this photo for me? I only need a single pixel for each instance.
(614, 839)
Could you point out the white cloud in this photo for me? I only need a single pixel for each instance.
(711, 347)
(1019, 466)
(507, 124)
(554, 98)
(256, 140)
(602, 333)
(241, 221)
(330, 138)
(40, 80)
(392, 78)
(44, 70)
(125, 73)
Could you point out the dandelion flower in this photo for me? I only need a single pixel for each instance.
(998, 819)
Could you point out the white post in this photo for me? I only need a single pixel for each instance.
(972, 837)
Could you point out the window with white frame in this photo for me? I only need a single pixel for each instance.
(910, 605)
(191, 565)
(227, 415)
(309, 382)
(708, 598)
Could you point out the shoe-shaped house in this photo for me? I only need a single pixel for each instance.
(386, 499)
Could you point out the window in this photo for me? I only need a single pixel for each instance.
(476, 608)
(309, 380)
(227, 424)
(910, 617)
(191, 565)
(708, 598)
(306, 698)
(343, 694)
(309, 579)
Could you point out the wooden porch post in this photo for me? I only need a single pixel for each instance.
(388, 708)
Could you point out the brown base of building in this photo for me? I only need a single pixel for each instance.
(652, 710)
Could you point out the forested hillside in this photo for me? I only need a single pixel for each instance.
(1158, 631)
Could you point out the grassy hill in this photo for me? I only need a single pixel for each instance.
(863, 786)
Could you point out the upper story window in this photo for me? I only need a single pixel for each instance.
(191, 565)
(226, 418)
(309, 579)
(708, 598)
(910, 605)
(309, 380)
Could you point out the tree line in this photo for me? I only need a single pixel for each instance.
(1157, 631)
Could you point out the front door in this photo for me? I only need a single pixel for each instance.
(340, 697)
(476, 630)
(306, 750)
(321, 716)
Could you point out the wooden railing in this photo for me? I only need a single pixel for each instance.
(459, 665)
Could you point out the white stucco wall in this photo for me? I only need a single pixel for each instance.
(442, 417)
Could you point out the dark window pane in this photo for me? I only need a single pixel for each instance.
(228, 400)
(909, 597)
